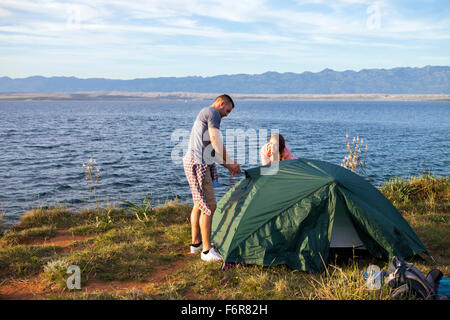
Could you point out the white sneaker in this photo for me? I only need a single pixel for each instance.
(212, 255)
(196, 249)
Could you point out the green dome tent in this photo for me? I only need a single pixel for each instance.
(296, 214)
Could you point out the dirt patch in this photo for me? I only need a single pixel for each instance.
(23, 289)
(161, 273)
(118, 287)
(62, 239)
(35, 289)
(157, 277)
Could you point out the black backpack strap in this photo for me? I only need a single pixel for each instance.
(419, 284)
(400, 291)
(434, 277)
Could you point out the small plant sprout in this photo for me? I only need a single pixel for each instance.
(103, 218)
(92, 174)
(143, 210)
(354, 161)
(55, 271)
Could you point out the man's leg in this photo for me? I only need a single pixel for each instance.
(205, 227)
(195, 224)
(205, 220)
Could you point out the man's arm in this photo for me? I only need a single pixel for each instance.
(221, 152)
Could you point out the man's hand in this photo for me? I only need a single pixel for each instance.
(234, 168)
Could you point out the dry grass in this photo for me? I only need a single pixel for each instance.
(149, 258)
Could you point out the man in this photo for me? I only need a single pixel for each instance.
(205, 148)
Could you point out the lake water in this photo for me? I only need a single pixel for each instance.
(135, 144)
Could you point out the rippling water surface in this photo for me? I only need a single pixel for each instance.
(44, 143)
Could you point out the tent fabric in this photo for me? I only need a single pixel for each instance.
(288, 217)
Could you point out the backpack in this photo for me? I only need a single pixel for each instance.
(409, 282)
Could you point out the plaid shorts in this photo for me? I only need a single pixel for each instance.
(201, 188)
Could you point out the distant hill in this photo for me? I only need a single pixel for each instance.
(426, 80)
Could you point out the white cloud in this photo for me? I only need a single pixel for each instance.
(4, 13)
(240, 30)
(185, 18)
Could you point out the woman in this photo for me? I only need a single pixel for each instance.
(275, 150)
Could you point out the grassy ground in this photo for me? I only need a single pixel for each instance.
(424, 202)
(122, 257)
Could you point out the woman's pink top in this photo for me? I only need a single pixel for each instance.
(266, 152)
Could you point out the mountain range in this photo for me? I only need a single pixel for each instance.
(405, 80)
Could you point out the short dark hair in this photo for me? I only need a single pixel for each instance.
(226, 98)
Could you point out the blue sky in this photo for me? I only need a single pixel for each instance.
(138, 39)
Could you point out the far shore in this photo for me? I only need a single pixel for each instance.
(148, 96)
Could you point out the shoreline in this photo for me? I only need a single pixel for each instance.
(152, 96)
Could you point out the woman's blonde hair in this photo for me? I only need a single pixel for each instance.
(281, 143)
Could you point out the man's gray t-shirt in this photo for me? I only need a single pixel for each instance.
(199, 139)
